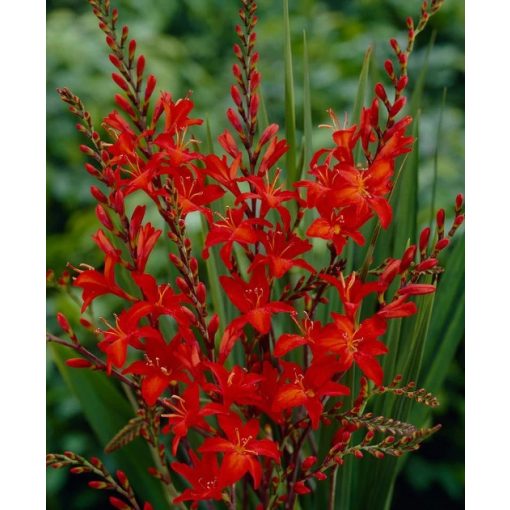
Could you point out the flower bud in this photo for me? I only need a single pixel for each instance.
(63, 322)
(119, 80)
(442, 244)
(309, 462)
(78, 363)
(103, 217)
(236, 95)
(140, 66)
(115, 60)
(407, 258)
(424, 239)
(388, 66)
(381, 92)
(149, 89)
(118, 503)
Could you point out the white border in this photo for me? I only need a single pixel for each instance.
(22, 249)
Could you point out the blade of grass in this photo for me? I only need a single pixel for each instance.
(290, 109)
(307, 109)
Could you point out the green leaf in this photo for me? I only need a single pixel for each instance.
(290, 109)
(307, 109)
(107, 411)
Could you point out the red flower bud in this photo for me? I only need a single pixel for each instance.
(268, 133)
(395, 46)
(402, 83)
(309, 462)
(397, 106)
(319, 475)
(124, 104)
(407, 258)
(98, 194)
(115, 60)
(117, 503)
(254, 106)
(132, 49)
(236, 95)
(87, 150)
(237, 51)
(78, 363)
(301, 488)
(98, 484)
(140, 66)
(459, 201)
(236, 71)
(424, 239)
(193, 265)
(442, 244)
(234, 120)
(381, 92)
(388, 66)
(181, 283)
(149, 89)
(459, 220)
(103, 217)
(440, 217)
(415, 289)
(92, 170)
(63, 322)
(426, 264)
(201, 292)
(119, 80)
(213, 326)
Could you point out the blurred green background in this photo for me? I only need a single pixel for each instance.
(187, 44)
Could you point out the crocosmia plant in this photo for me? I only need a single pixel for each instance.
(277, 359)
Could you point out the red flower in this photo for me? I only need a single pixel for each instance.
(308, 389)
(352, 290)
(125, 332)
(288, 341)
(364, 188)
(203, 476)
(270, 195)
(186, 414)
(339, 226)
(354, 344)
(281, 252)
(252, 299)
(160, 369)
(232, 228)
(240, 449)
(237, 386)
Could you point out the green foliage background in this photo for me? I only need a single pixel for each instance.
(187, 44)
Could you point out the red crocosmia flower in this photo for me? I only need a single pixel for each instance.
(281, 252)
(176, 114)
(145, 242)
(160, 369)
(126, 332)
(274, 151)
(95, 283)
(237, 386)
(194, 194)
(309, 388)
(252, 299)
(351, 290)
(221, 172)
(186, 413)
(162, 300)
(266, 391)
(270, 194)
(309, 331)
(339, 226)
(240, 449)
(203, 476)
(365, 188)
(354, 344)
(232, 228)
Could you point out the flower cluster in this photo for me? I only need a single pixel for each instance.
(249, 385)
